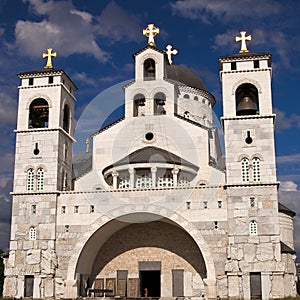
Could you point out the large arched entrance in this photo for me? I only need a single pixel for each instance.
(142, 255)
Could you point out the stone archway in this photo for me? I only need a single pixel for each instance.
(88, 247)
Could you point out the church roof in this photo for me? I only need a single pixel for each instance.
(153, 155)
(185, 76)
(283, 209)
(82, 164)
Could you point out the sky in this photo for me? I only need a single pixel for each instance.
(95, 40)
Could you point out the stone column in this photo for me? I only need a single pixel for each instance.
(153, 173)
(115, 175)
(131, 172)
(175, 172)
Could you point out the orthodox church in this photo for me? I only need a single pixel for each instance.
(154, 210)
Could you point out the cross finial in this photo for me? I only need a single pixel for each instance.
(243, 38)
(49, 56)
(151, 31)
(170, 52)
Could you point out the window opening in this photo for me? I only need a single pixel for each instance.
(38, 114)
(159, 103)
(139, 102)
(124, 182)
(50, 79)
(256, 64)
(30, 180)
(233, 65)
(253, 228)
(186, 115)
(149, 69)
(63, 209)
(36, 150)
(256, 169)
(67, 228)
(40, 179)
(216, 225)
(205, 206)
(76, 209)
(246, 100)
(245, 169)
(186, 96)
(92, 209)
(66, 118)
(32, 234)
(33, 209)
(30, 81)
(219, 204)
(252, 202)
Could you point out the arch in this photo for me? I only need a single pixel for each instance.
(186, 96)
(243, 156)
(246, 99)
(66, 118)
(149, 69)
(246, 80)
(245, 169)
(38, 113)
(139, 102)
(159, 103)
(147, 212)
(186, 114)
(257, 155)
(256, 168)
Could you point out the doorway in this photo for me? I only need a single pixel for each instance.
(150, 283)
(28, 286)
(255, 285)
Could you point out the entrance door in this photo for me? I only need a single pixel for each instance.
(28, 286)
(255, 285)
(177, 283)
(150, 283)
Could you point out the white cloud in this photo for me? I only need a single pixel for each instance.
(288, 186)
(207, 10)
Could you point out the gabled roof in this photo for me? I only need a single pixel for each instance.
(148, 47)
(152, 154)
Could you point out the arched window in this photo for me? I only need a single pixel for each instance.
(186, 96)
(32, 233)
(246, 97)
(196, 98)
(66, 118)
(253, 228)
(165, 180)
(30, 179)
(149, 69)
(139, 102)
(38, 114)
(256, 168)
(159, 103)
(124, 182)
(245, 169)
(40, 179)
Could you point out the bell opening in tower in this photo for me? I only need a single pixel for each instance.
(247, 100)
(38, 114)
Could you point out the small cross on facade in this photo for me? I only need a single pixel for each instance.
(151, 31)
(170, 52)
(243, 38)
(49, 56)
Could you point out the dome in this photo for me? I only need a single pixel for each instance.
(185, 76)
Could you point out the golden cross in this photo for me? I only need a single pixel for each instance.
(170, 53)
(49, 56)
(243, 38)
(151, 31)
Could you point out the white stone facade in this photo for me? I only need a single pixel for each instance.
(154, 210)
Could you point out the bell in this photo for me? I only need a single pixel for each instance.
(246, 107)
(141, 102)
(160, 102)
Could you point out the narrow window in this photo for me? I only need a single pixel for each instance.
(252, 202)
(159, 104)
(219, 204)
(256, 169)
(67, 228)
(66, 118)
(205, 204)
(50, 79)
(76, 209)
(40, 179)
(253, 228)
(30, 81)
(33, 209)
(245, 169)
(186, 96)
(188, 205)
(30, 180)
(63, 209)
(216, 225)
(233, 65)
(32, 233)
(256, 64)
(92, 209)
(196, 98)
(139, 102)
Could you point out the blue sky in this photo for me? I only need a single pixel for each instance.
(95, 40)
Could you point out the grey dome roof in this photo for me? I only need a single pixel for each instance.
(185, 76)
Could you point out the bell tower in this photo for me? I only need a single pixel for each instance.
(43, 168)
(251, 182)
